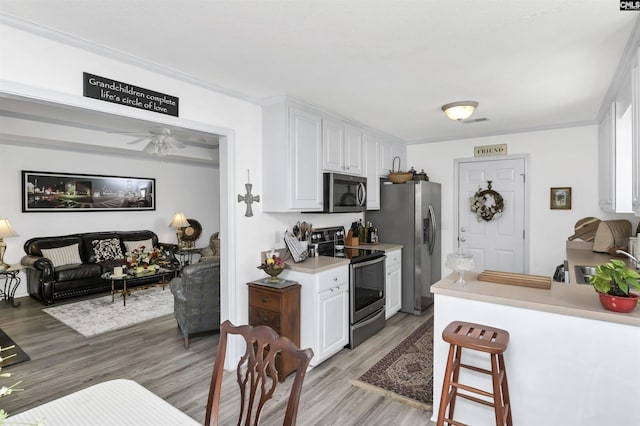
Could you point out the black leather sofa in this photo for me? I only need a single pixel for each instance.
(81, 273)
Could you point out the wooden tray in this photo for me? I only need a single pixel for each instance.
(525, 280)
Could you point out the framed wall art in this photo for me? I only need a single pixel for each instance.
(561, 198)
(68, 192)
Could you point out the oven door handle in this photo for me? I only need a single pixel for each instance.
(368, 262)
(369, 321)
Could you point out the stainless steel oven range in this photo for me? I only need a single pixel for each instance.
(366, 282)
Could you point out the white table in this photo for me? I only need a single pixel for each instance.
(116, 402)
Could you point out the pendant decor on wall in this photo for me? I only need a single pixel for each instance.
(487, 204)
(248, 198)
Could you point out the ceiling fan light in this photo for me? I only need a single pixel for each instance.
(459, 110)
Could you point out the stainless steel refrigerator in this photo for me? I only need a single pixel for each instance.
(410, 215)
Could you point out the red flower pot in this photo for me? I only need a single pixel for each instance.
(619, 304)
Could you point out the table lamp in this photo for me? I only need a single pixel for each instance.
(179, 221)
(5, 231)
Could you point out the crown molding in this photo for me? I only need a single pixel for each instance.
(71, 40)
(58, 145)
(505, 132)
(626, 63)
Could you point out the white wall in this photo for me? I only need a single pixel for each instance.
(557, 158)
(43, 66)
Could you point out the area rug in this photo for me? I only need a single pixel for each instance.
(96, 316)
(11, 354)
(405, 373)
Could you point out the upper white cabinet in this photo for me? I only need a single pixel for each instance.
(606, 161)
(291, 158)
(342, 148)
(372, 166)
(617, 150)
(388, 151)
(635, 142)
(301, 142)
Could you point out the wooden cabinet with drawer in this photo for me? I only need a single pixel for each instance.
(278, 308)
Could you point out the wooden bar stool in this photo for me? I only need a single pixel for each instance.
(481, 338)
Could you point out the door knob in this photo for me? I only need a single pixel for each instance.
(462, 240)
(463, 229)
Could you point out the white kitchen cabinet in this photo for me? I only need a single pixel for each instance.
(388, 151)
(393, 289)
(324, 305)
(342, 149)
(291, 158)
(635, 105)
(606, 161)
(371, 166)
(617, 133)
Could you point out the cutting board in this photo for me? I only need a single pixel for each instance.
(525, 280)
(585, 229)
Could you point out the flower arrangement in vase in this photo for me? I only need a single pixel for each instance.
(141, 260)
(273, 265)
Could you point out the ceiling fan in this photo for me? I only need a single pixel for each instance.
(160, 141)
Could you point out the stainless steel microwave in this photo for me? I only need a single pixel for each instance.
(344, 193)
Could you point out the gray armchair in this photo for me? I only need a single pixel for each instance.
(196, 294)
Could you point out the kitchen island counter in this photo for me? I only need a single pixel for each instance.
(561, 298)
(565, 354)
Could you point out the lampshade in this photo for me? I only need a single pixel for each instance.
(179, 221)
(459, 110)
(5, 229)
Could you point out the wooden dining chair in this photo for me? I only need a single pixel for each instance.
(256, 374)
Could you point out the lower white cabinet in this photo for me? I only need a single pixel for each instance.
(393, 289)
(324, 309)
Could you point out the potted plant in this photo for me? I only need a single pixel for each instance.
(612, 281)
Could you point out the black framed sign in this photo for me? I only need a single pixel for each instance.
(66, 192)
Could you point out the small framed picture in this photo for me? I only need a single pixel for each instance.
(561, 198)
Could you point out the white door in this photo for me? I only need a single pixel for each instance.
(498, 244)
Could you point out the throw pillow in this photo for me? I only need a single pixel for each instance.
(107, 249)
(130, 246)
(67, 255)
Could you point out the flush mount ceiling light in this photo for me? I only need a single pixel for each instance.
(459, 110)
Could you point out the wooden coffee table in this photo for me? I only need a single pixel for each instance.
(131, 281)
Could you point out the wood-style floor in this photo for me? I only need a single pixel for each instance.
(152, 354)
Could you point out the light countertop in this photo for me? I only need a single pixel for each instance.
(580, 253)
(386, 247)
(312, 265)
(561, 298)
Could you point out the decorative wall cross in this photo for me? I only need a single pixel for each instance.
(248, 198)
